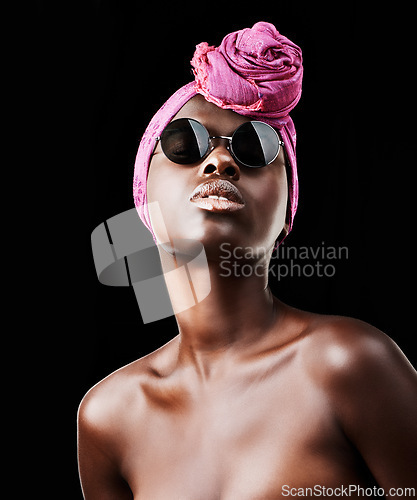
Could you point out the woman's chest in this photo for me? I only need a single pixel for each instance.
(246, 444)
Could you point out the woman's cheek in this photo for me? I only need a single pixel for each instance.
(270, 197)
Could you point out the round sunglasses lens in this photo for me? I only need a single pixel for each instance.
(255, 144)
(184, 141)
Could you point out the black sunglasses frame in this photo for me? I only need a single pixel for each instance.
(211, 146)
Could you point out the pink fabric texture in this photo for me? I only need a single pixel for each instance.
(256, 72)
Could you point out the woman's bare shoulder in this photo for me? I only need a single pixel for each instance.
(369, 386)
(340, 353)
(112, 396)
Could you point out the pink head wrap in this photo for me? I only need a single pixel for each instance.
(256, 72)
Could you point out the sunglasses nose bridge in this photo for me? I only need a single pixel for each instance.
(221, 159)
(228, 139)
(222, 140)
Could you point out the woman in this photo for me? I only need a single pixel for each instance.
(253, 399)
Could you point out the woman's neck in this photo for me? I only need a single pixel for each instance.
(218, 309)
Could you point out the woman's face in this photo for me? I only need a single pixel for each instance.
(255, 223)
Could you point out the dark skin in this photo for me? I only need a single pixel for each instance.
(252, 394)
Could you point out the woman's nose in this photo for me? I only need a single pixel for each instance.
(221, 161)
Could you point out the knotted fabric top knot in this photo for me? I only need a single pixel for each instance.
(254, 70)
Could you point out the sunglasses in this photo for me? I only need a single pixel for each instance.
(254, 144)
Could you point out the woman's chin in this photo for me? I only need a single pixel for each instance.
(217, 242)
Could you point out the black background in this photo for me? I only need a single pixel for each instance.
(107, 66)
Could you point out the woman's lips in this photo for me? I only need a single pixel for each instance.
(217, 195)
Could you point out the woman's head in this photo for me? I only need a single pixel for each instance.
(254, 211)
(255, 74)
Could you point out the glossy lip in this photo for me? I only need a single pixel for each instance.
(217, 195)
